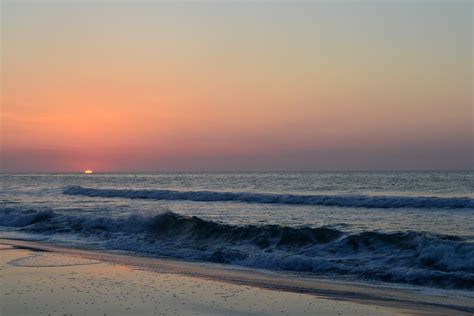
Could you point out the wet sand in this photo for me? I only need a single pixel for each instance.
(40, 279)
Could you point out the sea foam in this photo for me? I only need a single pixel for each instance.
(269, 198)
(405, 256)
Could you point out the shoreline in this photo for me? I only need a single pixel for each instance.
(387, 300)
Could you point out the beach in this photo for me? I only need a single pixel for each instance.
(237, 244)
(236, 158)
(44, 279)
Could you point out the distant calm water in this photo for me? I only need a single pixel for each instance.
(409, 227)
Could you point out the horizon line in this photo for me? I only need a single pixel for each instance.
(239, 171)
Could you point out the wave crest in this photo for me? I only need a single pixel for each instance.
(268, 198)
(410, 257)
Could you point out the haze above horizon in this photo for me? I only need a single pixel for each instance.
(213, 85)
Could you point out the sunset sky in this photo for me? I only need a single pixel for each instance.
(230, 85)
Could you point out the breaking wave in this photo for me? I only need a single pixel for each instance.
(268, 198)
(407, 257)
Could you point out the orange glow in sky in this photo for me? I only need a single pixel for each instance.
(153, 86)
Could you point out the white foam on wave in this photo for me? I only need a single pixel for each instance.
(410, 257)
(267, 198)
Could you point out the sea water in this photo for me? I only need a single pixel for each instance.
(397, 227)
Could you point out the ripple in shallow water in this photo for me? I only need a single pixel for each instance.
(44, 259)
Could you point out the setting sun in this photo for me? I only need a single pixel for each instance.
(317, 145)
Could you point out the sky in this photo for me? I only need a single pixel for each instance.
(236, 85)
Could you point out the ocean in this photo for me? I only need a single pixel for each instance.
(413, 228)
